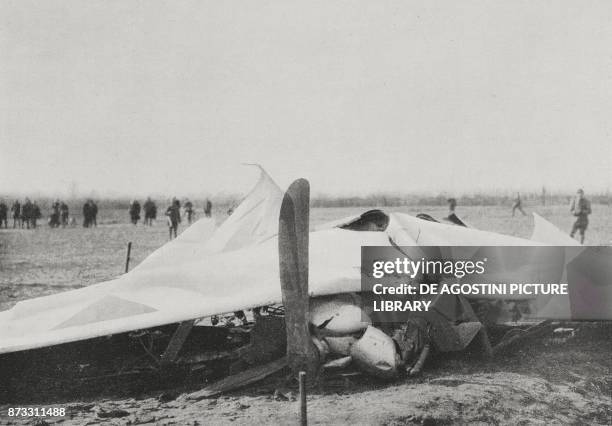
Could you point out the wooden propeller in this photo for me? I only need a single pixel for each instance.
(293, 231)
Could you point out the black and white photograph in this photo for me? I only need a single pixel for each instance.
(305, 212)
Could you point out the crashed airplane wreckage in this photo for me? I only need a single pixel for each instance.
(170, 320)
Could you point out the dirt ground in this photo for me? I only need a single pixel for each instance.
(541, 382)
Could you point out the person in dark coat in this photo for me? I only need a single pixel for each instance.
(581, 209)
(150, 211)
(86, 214)
(64, 214)
(36, 214)
(134, 212)
(16, 210)
(54, 219)
(26, 213)
(3, 214)
(173, 212)
(94, 212)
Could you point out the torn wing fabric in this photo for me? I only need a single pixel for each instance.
(588, 273)
(547, 306)
(547, 233)
(254, 220)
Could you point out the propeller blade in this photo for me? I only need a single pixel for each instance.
(293, 232)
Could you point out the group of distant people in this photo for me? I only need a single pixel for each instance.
(150, 211)
(173, 213)
(60, 214)
(24, 215)
(149, 208)
(90, 214)
(580, 207)
(28, 214)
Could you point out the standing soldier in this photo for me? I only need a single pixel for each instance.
(16, 210)
(208, 208)
(94, 212)
(189, 210)
(86, 214)
(64, 212)
(54, 220)
(150, 211)
(26, 213)
(3, 214)
(518, 204)
(134, 212)
(174, 217)
(581, 208)
(36, 214)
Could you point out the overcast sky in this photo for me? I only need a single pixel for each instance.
(137, 97)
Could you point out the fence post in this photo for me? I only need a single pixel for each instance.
(303, 407)
(127, 257)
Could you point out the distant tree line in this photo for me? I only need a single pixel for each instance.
(225, 201)
(477, 199)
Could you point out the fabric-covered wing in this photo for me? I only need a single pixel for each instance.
(157, 291)
(218, 283)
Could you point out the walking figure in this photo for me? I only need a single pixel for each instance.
(518, 205)
(173, 212)
(581, 208)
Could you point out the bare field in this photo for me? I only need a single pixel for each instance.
(543, 383)
(45, 260)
